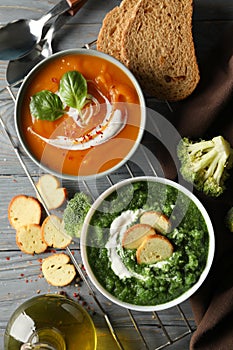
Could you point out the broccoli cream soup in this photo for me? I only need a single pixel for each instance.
(80, 115)
(116, 260)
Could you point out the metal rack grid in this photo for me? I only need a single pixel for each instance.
(128, 170)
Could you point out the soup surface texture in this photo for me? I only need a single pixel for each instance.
(65, 146)
(116, 268)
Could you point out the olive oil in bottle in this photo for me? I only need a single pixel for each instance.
(50, 322)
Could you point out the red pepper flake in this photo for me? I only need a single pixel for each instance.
(55, 80)
(8, 258)
(26, 281)
(70, 158)
(75, 295)
(40, 260)
(22, 274)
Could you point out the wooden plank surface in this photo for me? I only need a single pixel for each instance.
(20, 274)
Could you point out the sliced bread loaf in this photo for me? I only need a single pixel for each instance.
(135, 234)
(24, 210)
(53, 232)
(51, 191)
(110, 35)
(157, 46)
(154, 248)
(57, 270)
(157, 220)
(29, 239)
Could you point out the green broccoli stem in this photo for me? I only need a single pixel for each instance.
(206, 163)
(220, 169)
(214, 161)
(209, 159)
(200, 146)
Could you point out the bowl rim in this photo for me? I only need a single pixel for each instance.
(183, 297)
(79, 51)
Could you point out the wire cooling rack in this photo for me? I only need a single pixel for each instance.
(154, 330)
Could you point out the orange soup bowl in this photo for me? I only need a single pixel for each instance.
(80, 114)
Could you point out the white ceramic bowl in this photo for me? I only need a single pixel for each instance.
(47, 160)
(91, 271)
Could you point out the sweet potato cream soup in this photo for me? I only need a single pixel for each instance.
(80, 115)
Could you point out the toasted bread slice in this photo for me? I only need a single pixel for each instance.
(51, 191)
(110, 35)
(135, 234)
(29, 239)
(57, 270)
(154, 248)
(157, 46)
(53, 232)
(24, 210)
(159, 221)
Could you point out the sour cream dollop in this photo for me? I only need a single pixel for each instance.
(114, 121)
(116, 251)
(114, 244)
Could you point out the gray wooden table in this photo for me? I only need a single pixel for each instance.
(20, 274)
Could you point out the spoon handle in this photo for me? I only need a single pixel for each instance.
(76, 7)
(60, 21)
(73, 3)
(61, 7)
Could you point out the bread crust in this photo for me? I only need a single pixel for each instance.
(154, 248)
(57, 270)
(158, 47)
(110, 35)
(29, 239)
(24, 210)
(154, 40)
(135, 234)
(53, 233)
(159, 221)
(51, 191)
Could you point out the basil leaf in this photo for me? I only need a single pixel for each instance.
(46, 105)
(73, 89)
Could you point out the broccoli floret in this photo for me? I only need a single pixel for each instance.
(206, 163)
(75, 213)
(229, 219)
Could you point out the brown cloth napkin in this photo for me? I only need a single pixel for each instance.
(205, 114)
(209, 112)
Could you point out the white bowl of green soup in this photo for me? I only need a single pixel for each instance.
(147, 243)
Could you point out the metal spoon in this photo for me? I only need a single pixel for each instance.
(19, 37)
(18, 69)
